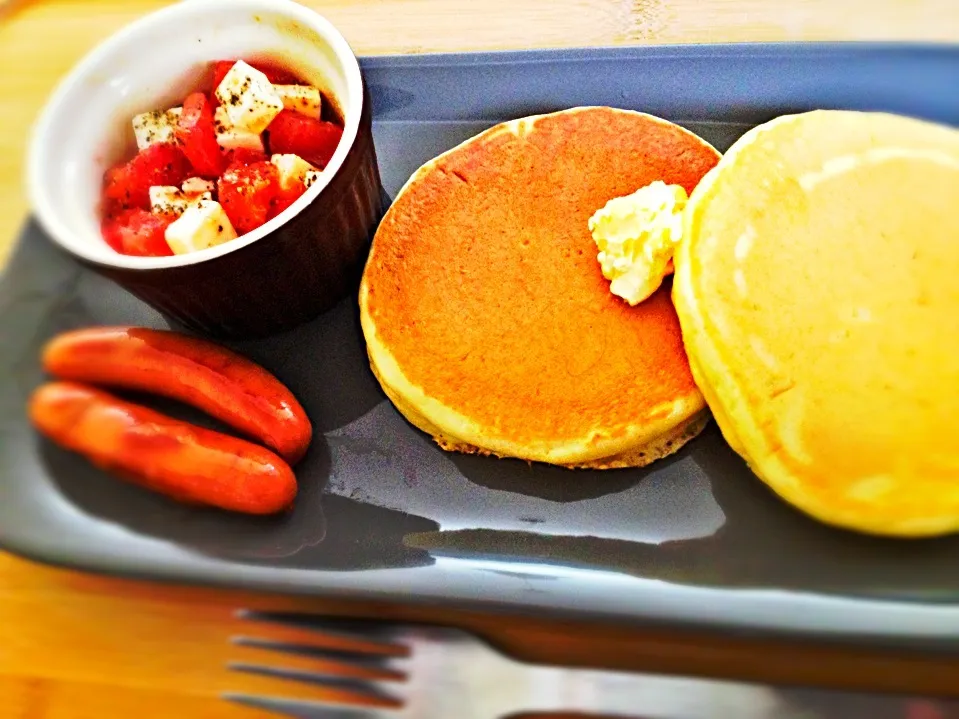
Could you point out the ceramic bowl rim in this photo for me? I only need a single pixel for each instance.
(44, 205)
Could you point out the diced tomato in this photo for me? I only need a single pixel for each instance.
(116, 190)
(137, 232)
(247, 194)
(110, 229)
(286, 197)
(197, 136)
(220, 69)
(313, 140)
(128, 185)
(243, 156)
(276, 75)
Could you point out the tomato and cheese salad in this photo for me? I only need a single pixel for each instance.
(219, 165)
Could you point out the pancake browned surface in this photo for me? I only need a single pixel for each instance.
(487, 318)
(817, 287)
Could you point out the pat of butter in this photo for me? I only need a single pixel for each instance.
(636, 236)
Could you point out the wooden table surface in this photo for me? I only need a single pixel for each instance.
(75, 646)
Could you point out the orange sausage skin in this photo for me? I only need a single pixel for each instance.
(188, 463)
(205, 375)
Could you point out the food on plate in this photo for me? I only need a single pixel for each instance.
(185, 462)
(205, 375)
(636, 236)
(816, 288)
(221, 164)
(488, 321)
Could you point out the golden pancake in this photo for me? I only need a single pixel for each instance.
(816, 285)
(487, 319)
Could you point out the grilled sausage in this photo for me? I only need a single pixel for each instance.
(205, 375)
(188, 463)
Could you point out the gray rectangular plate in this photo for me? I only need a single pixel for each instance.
(383, 513)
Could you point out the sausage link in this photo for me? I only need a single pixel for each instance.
(188, 463)
(205, 375)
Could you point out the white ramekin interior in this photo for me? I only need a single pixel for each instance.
(152, 64)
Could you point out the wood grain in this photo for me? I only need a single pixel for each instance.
(75, 646)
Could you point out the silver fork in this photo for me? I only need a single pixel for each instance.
(440, 673)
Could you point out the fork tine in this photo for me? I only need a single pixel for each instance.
(347, 662)
(303, 631)
(289, 686)
(366, 632)
(363, 689)
(309, 710)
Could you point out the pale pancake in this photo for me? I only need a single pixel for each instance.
(487, 319)
(817, 290)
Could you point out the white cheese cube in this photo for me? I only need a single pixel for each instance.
(171, 200)
(303, 99)
(201, 226)
(229, 137)
(239, 140)
(293, 169)
(197, 186)
(154, 127)
(249, 98)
